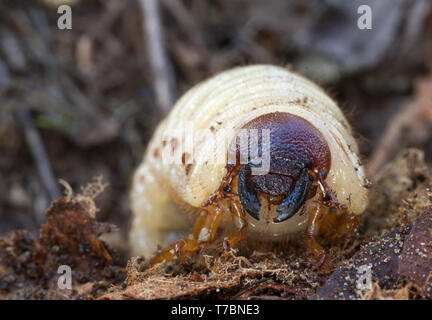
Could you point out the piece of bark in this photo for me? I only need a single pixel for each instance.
(168, 288)
(415, 262)
(380, 258)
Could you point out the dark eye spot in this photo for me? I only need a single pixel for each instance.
(156, 153)
(141, 179)
(187, 168)
(185, 157)
(174, 143)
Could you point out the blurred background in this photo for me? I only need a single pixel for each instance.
(81, 103)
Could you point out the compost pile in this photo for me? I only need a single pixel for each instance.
(89, 94)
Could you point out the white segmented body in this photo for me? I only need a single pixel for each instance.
(220, 106)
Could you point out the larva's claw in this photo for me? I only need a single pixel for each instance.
(320, 262)
(247, 194)
(295, 200)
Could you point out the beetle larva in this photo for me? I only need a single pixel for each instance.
(197, 161)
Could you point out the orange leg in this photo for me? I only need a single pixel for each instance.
(240, 222)
(328, 198)
(332, 224)
(203, 231)
(312, 230)
(226, 181)
(330, 219)
(336, 225)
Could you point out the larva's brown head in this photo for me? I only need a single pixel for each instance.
(287, 149)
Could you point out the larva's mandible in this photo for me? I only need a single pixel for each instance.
(313, 172)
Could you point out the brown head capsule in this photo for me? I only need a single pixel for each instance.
(296, 148)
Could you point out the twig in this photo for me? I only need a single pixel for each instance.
(162, 71)
(113, 10)
(37, 148)
(186, 20)
(413, 115)
(390, 139)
